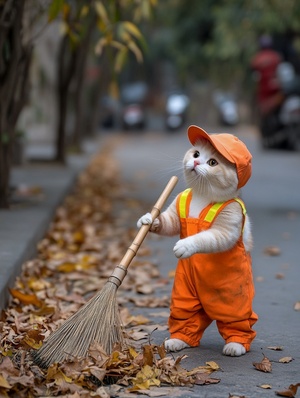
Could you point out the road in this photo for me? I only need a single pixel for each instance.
(272, 197)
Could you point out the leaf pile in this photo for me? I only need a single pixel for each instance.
(81, 248)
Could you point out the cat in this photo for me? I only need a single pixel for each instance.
(213, 278)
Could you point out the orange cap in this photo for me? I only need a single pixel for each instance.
(230, 147)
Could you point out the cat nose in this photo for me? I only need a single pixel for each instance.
(196, 163)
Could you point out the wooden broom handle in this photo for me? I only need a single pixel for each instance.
(120, 271)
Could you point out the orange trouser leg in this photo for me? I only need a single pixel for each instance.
(188, 319)
(239, 331)
(189, 329)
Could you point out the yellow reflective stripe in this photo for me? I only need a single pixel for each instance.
(242, 205)
(211, 214)
(243, 208)
(182, 203)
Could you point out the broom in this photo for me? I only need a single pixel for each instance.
(98, 320)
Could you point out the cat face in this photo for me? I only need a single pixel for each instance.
(209, 174)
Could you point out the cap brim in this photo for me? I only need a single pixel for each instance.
(195, 133)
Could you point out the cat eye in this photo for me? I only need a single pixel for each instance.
(212, 162)
(196, 154)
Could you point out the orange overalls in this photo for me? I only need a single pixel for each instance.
(215, 286)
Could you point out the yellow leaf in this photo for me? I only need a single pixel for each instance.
(84, 11)
(136, 51)
(132, 352)
(101, 11)
(120, 59)
(4, 383)
(265, 386)
(66, 267)
(32, 343)
(26, 298)
(213, 365)
(101, 43)
(132, 28)
(38, 284)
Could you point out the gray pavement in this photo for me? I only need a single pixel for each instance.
(272, 196)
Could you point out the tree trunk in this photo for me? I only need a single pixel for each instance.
(100, 87)
(82, 55)
(65, 72)
(14, 68)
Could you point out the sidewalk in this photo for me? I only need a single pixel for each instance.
(24, 225)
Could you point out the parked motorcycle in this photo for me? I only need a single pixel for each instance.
(133, 98)
(227, 108)
(280, 126)
(176, 110)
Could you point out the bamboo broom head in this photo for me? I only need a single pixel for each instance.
(97, 321)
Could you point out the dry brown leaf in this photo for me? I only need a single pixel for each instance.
(290, 392)
(297, 306)
(260, 279)
(203, 379)
(286, 359)
(144, 289)
(275, 348)
(272, 251)
(265, 386)
(263, 366)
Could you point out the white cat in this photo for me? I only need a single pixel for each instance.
(213, 278)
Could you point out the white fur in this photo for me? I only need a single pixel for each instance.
(175, 345)
(234, 349)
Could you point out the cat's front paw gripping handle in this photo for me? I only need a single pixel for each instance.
(148, 219)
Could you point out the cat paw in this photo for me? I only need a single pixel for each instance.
(146, 219)
(183, 249)
(175, 345)
(234, 349)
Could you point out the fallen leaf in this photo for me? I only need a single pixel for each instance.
(279, 275)
(263, 366)
(285, 359)
(4, 383)
(213, 365)
(297, 306)
(265, 386)
(236, 396)
(203, 379)
(272, 251)
(144, 289)
(290, 392)
(260, 279)
(26, 298)
(276, 348)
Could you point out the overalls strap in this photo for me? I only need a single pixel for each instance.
(183, 204)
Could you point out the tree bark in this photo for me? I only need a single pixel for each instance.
(65, 72)
(82, 55)
(15, 60)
